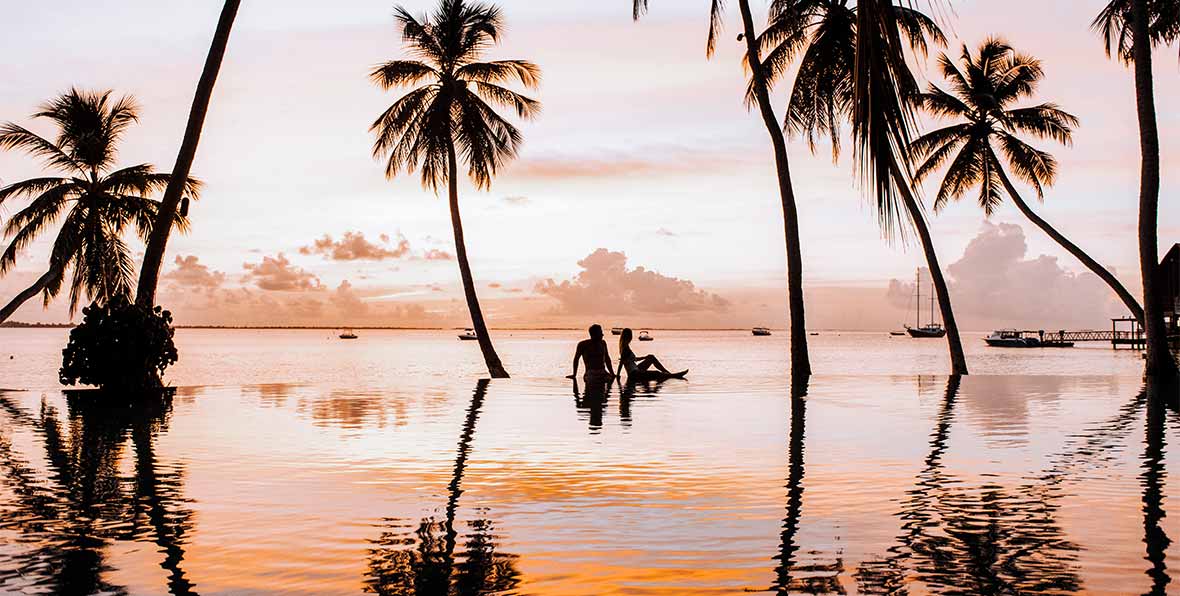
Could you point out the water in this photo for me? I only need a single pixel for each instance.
(291, 462)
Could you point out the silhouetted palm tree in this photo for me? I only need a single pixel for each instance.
(99, 202)
(153, 257)
(1142, 23)
(1114, 25)
(451, 115)
(841, 73)
(980, 101)
(759, 94)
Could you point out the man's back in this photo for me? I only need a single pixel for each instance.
(593, 353)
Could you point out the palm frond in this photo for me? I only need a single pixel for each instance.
(716, 22)
(501, 71)
(402, 73)
(919, 29)
(13, 136)
(1046, 120)
(963, 173)
(27, 224)
(1031, 165)
(525, 107)
(30, 187)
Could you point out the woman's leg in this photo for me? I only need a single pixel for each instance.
(650, 361)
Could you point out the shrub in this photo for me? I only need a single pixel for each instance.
(119, 345)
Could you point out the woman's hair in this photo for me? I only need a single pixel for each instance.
(624, 339)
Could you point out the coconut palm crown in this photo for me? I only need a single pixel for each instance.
(981, 100)
(1113, 23)
(99, 202)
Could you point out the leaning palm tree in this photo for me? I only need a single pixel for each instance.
(1139, 21)
(153, 256)
(981, 102)
(449, 115)
(852, 69)
(100, 203)
(759, 95)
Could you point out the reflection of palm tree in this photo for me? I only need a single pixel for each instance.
(428, 567)
(790, 577)
(984, 540)
(450, 117)
(1152, 478)
(89, 503)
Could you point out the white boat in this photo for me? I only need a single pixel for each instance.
(468, 335)
(347, 334)
(760, 331)
(1011, 338)
(645, 336)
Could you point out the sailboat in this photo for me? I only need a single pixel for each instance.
(930, 330)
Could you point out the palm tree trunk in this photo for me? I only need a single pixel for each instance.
(26, 295)
(800, 360)
(1095, 268)
(1160, 363)
(954, 343)
(495, 367)
(153, 258)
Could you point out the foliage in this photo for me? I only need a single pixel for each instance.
(99, 203)
(452, 113)
(980, 100)
(1113, 23)
(119, 345)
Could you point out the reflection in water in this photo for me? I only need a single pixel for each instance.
(988, 539)
(592, 402)
(421, 560)
(69, 524)
(1152, 478)
(791, 576)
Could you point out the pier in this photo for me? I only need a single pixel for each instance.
(1133, 337)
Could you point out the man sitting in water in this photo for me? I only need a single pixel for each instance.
(597, 357)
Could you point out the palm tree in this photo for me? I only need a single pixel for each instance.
(759, 94)
(1145, 22)
(100, 202)
(980, 100)
(450, 114)
(852, 68)
(153, 256)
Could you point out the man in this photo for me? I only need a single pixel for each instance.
(594, 352)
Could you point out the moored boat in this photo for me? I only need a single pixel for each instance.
(468, 335)
(645, 336)
(930, 330)
(348, 334)
(616, 330)
(760, 331)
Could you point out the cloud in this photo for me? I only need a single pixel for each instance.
(190, 273)
(605, 285)
(666, 232)
(517, 200)
(995, 284)
(435, 254)
(279, 275)
(347, 301)
(355, 247)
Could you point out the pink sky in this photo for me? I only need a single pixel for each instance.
(644, 148)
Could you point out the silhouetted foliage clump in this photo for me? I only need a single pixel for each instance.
(119, 345)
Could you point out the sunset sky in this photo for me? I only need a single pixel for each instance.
(644, 150)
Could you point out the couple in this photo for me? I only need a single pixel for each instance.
(598, 365)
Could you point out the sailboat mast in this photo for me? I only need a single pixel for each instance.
(918, 301)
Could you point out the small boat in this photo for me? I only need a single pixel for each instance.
(897, 333)
(348, 334)
(645, 336)
(930, 330)
(761, 331)
(468, 335)
(616, 330)
(1011, 338)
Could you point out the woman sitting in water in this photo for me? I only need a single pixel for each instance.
(640, 368)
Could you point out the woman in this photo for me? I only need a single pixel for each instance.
(640, 368)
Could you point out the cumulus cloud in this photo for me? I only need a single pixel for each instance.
(279, 275)
(435, 254)
(353, 246)
(191, 273)
(606, 285)
(995, 283)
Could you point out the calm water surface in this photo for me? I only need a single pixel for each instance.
(292, 462)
